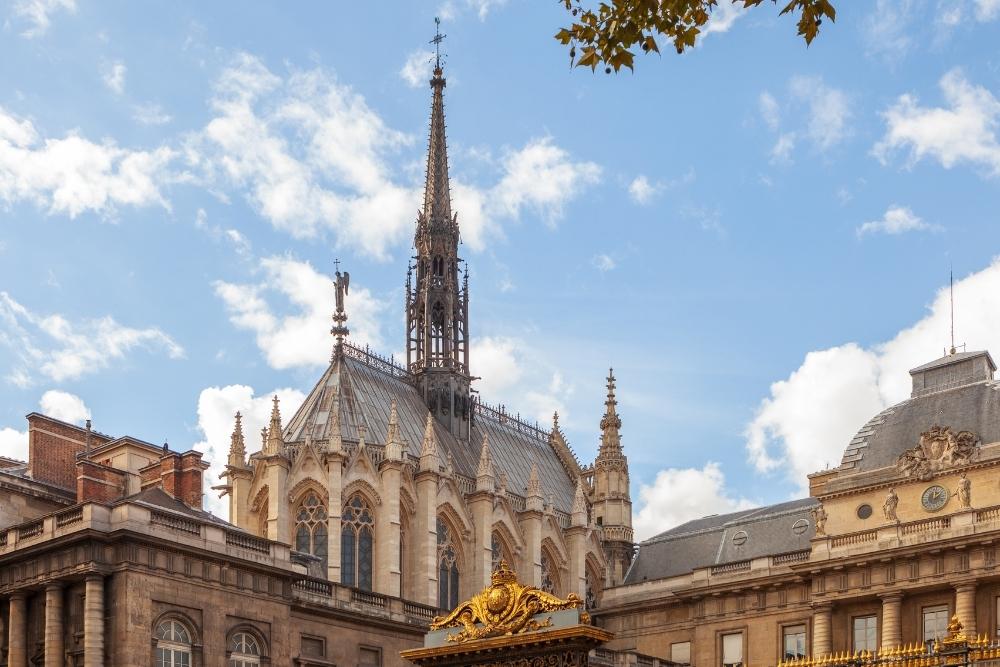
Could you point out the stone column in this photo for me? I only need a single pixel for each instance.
(93, 622)
(54, 626)
(481, 508)
(965, 607)
(17, 642)
(425, 575)
(892, 630)
(822, 639)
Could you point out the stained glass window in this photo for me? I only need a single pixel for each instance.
(357, 543)
(548, 573)
(500, 552)
(310, 527)
(448, 576)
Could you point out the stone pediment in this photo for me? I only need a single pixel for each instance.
(939, 448)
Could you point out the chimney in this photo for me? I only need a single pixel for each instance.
(179, 475)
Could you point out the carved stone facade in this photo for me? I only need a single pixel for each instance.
(888, 547)
(389, 495)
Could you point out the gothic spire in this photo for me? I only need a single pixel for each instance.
(339, 328)
(484, 474)
(428, 449)
(610, 422)
(274, 442)
(237, 446)
(437, 192)
(393, 442)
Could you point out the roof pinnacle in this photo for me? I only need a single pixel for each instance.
(484, 474)
(274, 441)
(237, 446)
(339, 328)
(437, 192)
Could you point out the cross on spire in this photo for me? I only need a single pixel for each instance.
(438, 38)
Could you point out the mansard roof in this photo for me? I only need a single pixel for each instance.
(956, 391)
(367, 384)
(769, 531)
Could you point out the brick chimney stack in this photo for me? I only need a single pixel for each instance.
(179, 475)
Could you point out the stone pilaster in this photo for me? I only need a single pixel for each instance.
(387, 531)
(965, 607)
(481, 508)
(93, 622)
(576, 544)
(335, 487)
(822, 639)
(54, 651)
(425, 576)
(276, 473)
(892, 629)
(17, 641)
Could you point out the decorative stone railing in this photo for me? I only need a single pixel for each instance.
(174, 522)
(925, 525)
(988, 514)
(70, 516)
(731, 568)
(322, 592)
(852, 539)
(791, 557)
(419, 611)
(617, 533)
(367, 597)
(314, 586)
(27, 530)
(244, 541)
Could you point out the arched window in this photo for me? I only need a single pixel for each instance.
(448, 577)
(500, 552)
(549, 575)
(310, 527)
(593, 588)
(357, 537)
(173, 644)
(244, 650)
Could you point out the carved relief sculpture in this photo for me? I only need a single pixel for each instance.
(819, 519)
(505, 607)
(939, 448)
(889, 506)
(964, 492)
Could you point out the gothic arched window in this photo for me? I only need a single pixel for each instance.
(357, 540)
(448, 576)
(593, 588)
(310, 527)
(499, 552)
(244, 650)
(173, 644)
(549, 575)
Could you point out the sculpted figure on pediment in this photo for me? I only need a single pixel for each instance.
(939, 448)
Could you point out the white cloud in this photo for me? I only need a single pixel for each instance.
(301, 337)
(827, 114)
(14, 443)
(63, 350)
(313, 157)
(722, 18)
(37, 13)
(217, 407)
(150, 114)
(897, 220)
(829, 110)
(964, 130)
(641, 190)
(541, 177)
(496, 360)
(770, 111)
(114, 76)
(886, 30)
(807, 421)
(65, 406)
(450, 9)
(682, 494)
(603, 262)
(416, 71)
(987, 10)
(73, 175)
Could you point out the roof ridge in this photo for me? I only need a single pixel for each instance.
(749, 516)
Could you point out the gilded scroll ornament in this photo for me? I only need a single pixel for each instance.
(505, 607)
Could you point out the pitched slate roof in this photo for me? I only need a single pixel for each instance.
(367, 385)
(709, 541)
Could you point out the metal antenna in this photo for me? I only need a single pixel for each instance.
(438, 38)
(951, 290)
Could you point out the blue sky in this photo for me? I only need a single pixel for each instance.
(755, 234)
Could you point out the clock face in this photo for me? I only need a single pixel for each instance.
(934, 498)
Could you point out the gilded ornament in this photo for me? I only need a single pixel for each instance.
(505, 607)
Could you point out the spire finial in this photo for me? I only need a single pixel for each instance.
(237, 447)
(273, 441)
(438, 38)
(339, 329)
(951, 290)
